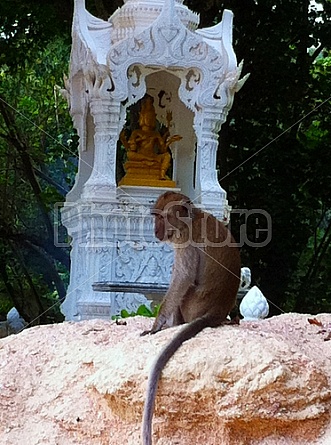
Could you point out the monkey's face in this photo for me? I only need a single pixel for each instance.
(172, 213)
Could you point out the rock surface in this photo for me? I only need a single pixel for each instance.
(259, 383)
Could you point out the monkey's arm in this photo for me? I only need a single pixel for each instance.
(183, 283)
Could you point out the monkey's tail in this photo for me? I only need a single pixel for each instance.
(188, 331)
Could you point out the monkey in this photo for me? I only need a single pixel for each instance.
(203, 285)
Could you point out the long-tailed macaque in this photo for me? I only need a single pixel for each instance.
(204, 282)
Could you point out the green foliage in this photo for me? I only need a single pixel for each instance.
(29, 25)
(274, 148)
(38, 152)
(309, 287)
(142, 310)
(5, 305)
(51, 304)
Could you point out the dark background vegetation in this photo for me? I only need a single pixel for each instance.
(275, 148)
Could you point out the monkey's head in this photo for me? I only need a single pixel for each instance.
(173, 214)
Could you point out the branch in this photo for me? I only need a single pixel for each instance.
(317, 51)
(35, 312)
(55, 184)
(57, 253)
(52, 270)
(17, 142)
(313, 269)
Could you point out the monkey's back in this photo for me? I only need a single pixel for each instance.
(218, 272)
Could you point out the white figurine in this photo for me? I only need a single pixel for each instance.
(254, 305)
(15, 322)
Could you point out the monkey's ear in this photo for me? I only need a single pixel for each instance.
(186, 200)
(155, 212)
(188, 205)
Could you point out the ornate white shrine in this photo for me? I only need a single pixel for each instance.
(146, 47)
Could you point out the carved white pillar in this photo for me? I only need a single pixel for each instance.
(102, 182)
(207, 183)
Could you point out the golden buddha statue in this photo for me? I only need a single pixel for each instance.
(148, 157)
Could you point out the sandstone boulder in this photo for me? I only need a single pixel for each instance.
(259, 383)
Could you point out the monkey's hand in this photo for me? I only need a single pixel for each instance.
(151, 331)
(159, 322)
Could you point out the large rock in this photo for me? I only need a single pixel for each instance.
(265, 383)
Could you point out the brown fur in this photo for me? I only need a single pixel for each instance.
(204, 282)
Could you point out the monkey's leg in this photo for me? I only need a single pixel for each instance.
(165, 321)
(170, 314)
